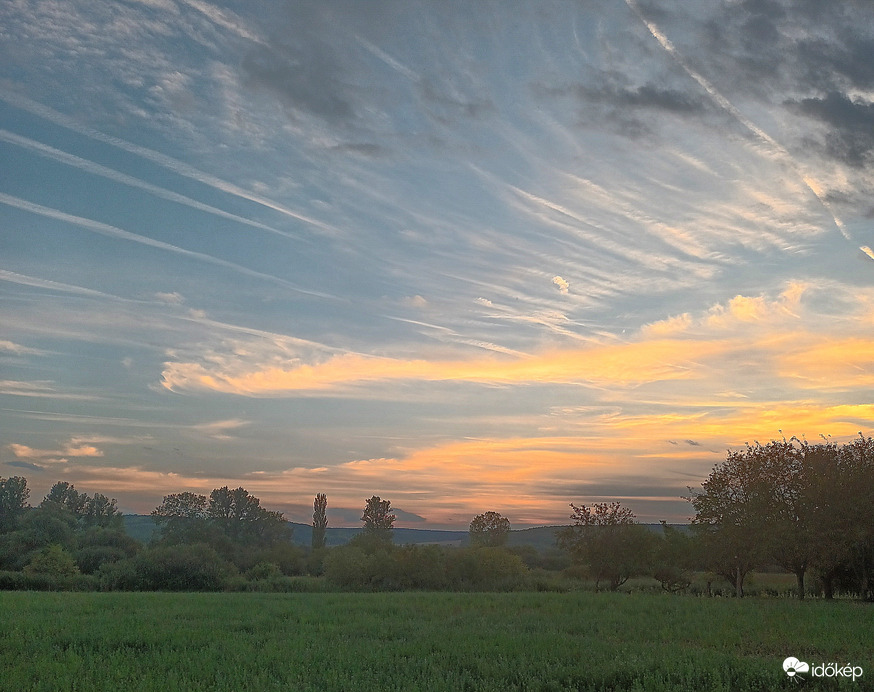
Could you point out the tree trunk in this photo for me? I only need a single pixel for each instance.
(739, 583)
(799, 578)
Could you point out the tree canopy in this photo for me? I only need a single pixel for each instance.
(489, 529)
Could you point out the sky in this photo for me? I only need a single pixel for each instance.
(469, 257)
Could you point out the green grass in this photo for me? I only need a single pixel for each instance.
(420, 641)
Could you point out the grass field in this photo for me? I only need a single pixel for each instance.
(422, 641)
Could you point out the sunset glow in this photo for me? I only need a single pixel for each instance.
(467, 257)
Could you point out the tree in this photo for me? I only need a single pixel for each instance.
(64, 496)
(13, 502)
(378, 519)
(674, 559)
(88, 511)
(730, 513)
(241, 517)
(101, 511)
(320, 520)
(489, 529)
(182, 518)
(785, 502)
(606, 539)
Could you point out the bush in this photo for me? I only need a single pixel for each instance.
(168, 568)
(350, 567)
(487, 569)
(90, 558)
(264, 570)
(52, 560)
(22, 581)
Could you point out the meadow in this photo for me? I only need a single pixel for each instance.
(422, 641)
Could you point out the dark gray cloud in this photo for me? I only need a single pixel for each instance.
(608, 488)
(307, 76)
(851, 135)
(626, 108)
(24, 465)
(447, 108)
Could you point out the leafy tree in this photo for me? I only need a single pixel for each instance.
(88, 511)
(52, 560)
(378, 519)
(63, 495)
(855, 489)
(606, 539)
(13, 502)
(182, 518)
(489, 529)
(731, 512)
(674, 559)
(320, 521)
(101, 511)
(240, 516)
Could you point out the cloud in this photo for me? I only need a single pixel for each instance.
(850, 134)
(17, 349)
(562, 285)
(620, 365)
(305, 73)
(76, 447)
(124, 179)
(167, 162)
(219, 430)
(121, 234)
(173, 298)
(415, 301)
(45, 389)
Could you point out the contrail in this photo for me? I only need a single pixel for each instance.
(124, 179)
(115, 232)
(35, 282)
(729, 107)
(158, 158)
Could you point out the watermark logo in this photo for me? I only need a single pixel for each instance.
(794, 669)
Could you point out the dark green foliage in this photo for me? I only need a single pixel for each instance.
(606, 540)
(264, 570)
(36, 581)
(88, 511)
(424, 567)
(674, 559)
(485, 569)
(54, 561)
(231, 521)
(798, 505)
(489, 529)
(320, 521)
(378, 518)
(168, 568)
(13, 502)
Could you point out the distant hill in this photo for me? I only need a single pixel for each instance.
(143, 528)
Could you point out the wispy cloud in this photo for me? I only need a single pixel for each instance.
(14, 349)
(168, 162)
(131, 181)
(115, 232)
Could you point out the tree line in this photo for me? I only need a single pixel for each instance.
(790, 505)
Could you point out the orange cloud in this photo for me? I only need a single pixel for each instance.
(829, 364)
(627, 364)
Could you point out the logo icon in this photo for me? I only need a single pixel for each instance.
(793, 667)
